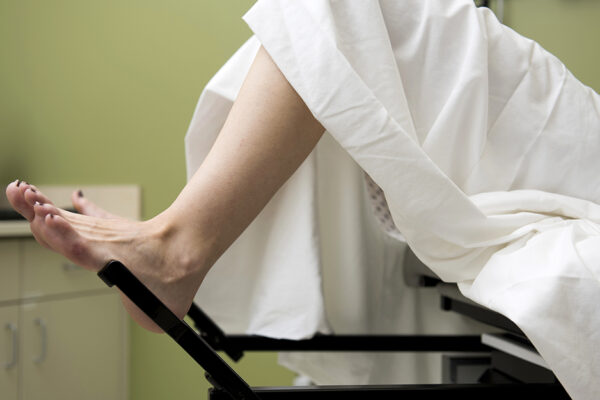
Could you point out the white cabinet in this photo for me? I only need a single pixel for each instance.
(63, 335)
(9, 319)
(63, 332)
(45, 273)
(73, 349)
(9, 270)
(9, 347)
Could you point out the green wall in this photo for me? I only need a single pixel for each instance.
(102, 92)
(83, 80)
(570, 29)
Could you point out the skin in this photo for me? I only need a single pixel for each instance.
(267, 135)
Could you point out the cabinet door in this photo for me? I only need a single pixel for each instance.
(74, 349)
(9, 270)
(48, 273)
(9, 357)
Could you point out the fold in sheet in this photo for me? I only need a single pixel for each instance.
(484, 144)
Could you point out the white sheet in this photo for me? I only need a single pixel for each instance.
(484, 144)
(316, 260)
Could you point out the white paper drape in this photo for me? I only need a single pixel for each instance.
(486, 148)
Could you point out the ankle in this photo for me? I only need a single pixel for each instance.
(184, 248)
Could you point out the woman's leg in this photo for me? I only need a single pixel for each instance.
(267, 135)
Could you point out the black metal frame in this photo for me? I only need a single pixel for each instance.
(480, 314)
(229, 385)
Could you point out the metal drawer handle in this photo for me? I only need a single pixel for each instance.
(12, 328)
(40, 322)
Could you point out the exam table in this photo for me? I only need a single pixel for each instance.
(511, 366)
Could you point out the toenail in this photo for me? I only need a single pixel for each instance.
(18, 182)
(80, 193)
(52, 216)
(33, 190)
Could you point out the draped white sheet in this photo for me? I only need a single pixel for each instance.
(486, 148)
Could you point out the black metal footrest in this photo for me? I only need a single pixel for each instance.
(221, 375)
(229, 385)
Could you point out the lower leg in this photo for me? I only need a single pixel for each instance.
(267, 135)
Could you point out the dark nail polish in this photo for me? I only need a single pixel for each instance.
(18, 182)
(33, 190)
(52, 216)
(80, 193)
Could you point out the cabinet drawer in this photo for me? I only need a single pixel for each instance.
(46, 273)
(9, 270)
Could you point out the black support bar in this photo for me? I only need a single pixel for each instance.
(219, 373)
(399, 343)
(421, 392)
(213, 335)
(228, 385)
(480, 314)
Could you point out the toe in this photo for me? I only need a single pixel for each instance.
(62, 237)
(15, 193)
(88, 207)
(42, 212)
(36, 223)
(32, 194)
(42, 209)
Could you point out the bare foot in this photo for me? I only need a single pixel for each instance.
(162, 256)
